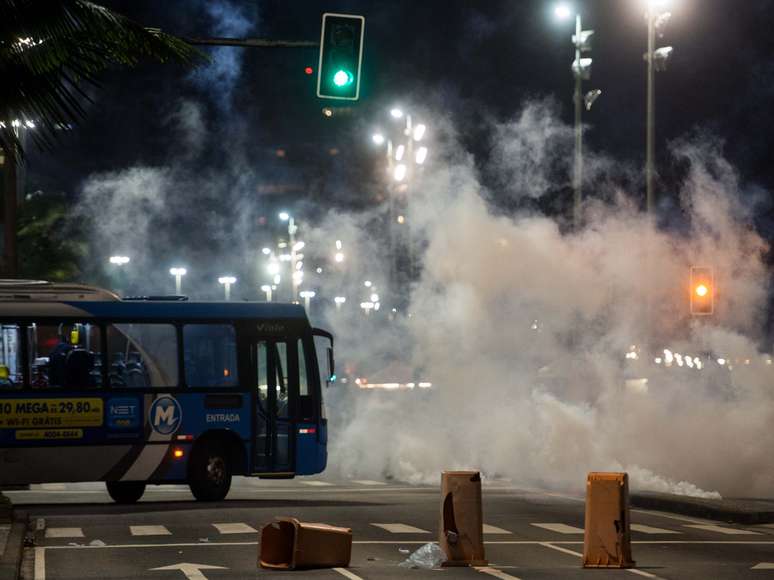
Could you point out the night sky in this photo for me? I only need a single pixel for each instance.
(477, 61)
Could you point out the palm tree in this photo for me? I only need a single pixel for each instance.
(49, 50)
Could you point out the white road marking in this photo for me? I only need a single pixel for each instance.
(347, 574)
(316, 483)
(560, 528)
(495, 572)
(235, 529)
(368, 482)
(64, 533)
(579, 555)
(149, 531)
(763, 566)
(401, 529)
(494, 530)
(191, 571)
(723, 530)
(40, 564)
(651, 530)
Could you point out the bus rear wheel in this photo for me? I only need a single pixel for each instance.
(125, 491)
(210, 472)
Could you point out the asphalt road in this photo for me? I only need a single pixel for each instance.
(80, 534)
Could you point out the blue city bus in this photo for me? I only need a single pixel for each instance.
(157, 391)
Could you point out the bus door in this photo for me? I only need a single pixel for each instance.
(274, 433)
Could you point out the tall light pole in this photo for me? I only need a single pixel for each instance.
(294, 277)
(178, 273)
(656, 59)
(120, 262)
(227, 281)
(581, 70)
(307, 295)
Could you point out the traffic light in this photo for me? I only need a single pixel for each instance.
(702, 291)
(341, 56)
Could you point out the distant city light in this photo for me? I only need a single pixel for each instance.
(396, 113)
(378, 138)
(339, 257)
(367, 283)
(399, 152)
(419, 132)
(400, 172)
(563, 11)
(227, 280)
(178, 271)
(338, 244)
(284, 216)
(119, 260)
(266, 251)
(421, 155)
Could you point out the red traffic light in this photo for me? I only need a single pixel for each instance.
(309, 70)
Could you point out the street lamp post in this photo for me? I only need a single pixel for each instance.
(307, 295)
(294, 277)
(656, 59)
(581, 70)
(178, 273)
(227, 281)
(120, 262)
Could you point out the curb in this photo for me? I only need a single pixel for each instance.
(744, 512)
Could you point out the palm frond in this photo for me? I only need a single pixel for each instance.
(50, 48)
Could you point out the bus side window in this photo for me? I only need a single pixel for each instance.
(66, 355)
(209, 352)
(11, 375)
(281, 365)
(142, 355)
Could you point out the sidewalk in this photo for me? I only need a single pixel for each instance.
(731, 510)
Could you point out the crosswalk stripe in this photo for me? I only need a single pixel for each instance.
(722, 530)
(235, 529)
(149, 531)
(401, 529)
(368, 482)
(64, 533)
(650, 530)
(560, 528)
(494, 530)
(496, 573)
(316, 483)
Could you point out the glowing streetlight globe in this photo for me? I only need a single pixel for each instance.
(342, 78)
(702, 290)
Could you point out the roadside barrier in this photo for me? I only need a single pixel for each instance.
(287, 544)
(462, 522)
(607, 537)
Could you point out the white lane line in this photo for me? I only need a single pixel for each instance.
(401, 529)
(496, 573)
(347, 574)
(368, 482)
(651, 530)
(723, 530)
(317, 483)
(64, 533)
(494, 530)
(235, 529)
(149, 531)
(579, 555)
(560, 528)
(40, 564)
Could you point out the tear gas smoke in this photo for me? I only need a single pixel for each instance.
(522, 327)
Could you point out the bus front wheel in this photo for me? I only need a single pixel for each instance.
(125, 491)
(210, 472)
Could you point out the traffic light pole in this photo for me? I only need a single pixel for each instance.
(252, 42)
(578, 174)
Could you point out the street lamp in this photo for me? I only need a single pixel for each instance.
(307, 295)
(581, 70)
(339, 300)
(656, 59)
(227, 281)
(120, 262)
(294, 280)
(267, 289)
(178, 273)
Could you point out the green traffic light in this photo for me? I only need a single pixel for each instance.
(342, 78)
